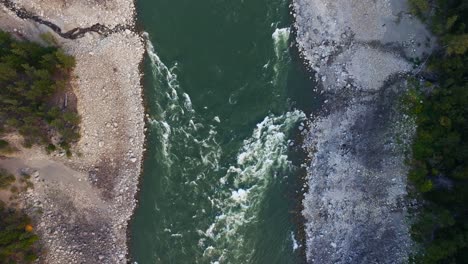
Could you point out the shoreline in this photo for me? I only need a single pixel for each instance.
(144, 152)
(301, 183)
(302, 135)
(355, 208)
(88, 201)
(138, 28)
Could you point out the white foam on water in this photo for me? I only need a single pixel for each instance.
(188, 102)
(239, 194)
(232, 99)
(280, 40)
(165, 131)
(176, 120)
(280, 44)
(188, 144)
(243, 187)
(295, 245)
(167, 84)
(159, 66)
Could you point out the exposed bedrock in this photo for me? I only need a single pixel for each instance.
(360, 50)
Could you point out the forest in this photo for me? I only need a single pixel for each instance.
(31, 76)
(18, 242)
(439, 168)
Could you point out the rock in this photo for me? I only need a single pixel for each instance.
(35, 174)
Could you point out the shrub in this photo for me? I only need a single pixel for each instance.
(419, 6)
(6, 179)
(5, 147)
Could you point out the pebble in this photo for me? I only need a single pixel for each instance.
(35, 174)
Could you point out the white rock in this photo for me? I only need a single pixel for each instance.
(35, 174)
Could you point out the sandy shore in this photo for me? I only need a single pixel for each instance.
(81, 205)
(356, 207)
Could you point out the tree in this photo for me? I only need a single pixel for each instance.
(439, 167)
(18, 244)
(30, 77)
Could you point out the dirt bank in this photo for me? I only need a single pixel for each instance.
(81, 205)
(361, 52)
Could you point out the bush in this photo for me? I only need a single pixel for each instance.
(51, 148)
(5, 147)
(419, 6)
(3, 144)
(6, 179)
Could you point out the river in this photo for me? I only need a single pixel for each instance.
(226, 96)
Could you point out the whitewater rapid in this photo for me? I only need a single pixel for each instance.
(262, 158)
(230, 204)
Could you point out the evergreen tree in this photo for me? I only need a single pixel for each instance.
(30, 75)
(440, 150)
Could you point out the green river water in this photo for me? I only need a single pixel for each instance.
(225, 99)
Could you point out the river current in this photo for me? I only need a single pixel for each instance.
(225, 97)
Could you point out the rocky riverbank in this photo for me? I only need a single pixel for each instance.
(361, 52)
(81, 206)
